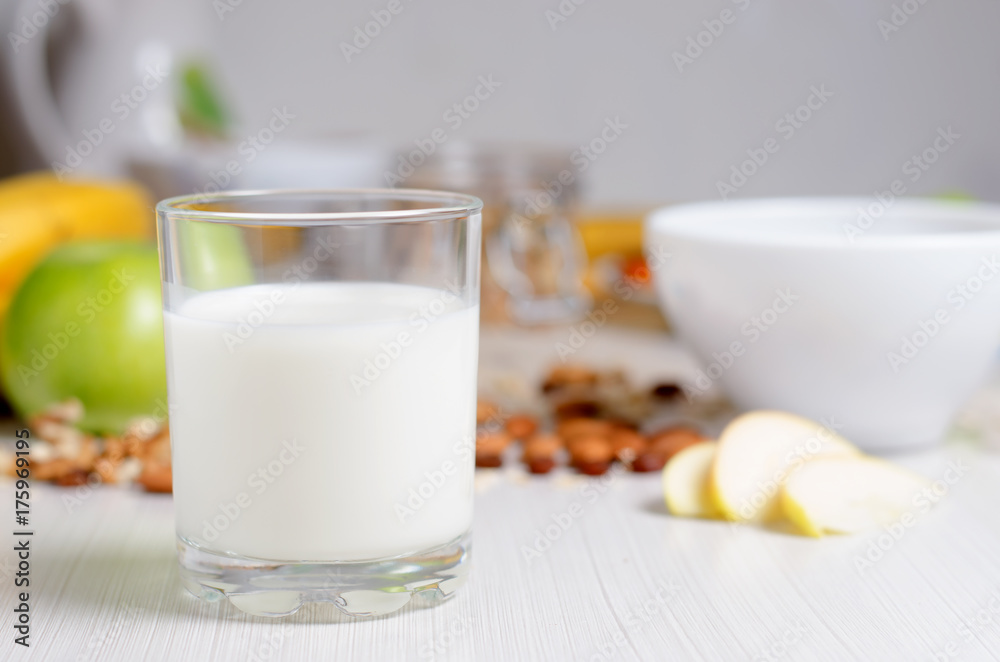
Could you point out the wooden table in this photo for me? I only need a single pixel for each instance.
(610, 578)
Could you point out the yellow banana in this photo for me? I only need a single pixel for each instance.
(38, 211)
(619, 234)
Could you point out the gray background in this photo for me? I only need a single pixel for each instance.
(615, 59)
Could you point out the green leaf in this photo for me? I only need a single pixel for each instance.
(200, 108)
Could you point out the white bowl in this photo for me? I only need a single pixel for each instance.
(880, 317)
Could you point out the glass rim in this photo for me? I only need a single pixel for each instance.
(450, 205)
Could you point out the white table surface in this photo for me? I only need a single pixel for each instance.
(624, 581)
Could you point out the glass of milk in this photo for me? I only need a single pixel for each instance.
(321, 366)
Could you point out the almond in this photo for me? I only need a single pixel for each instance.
(578, 409)
(492, 443)
(646, 462)
(521, 426)
(87, 454)
(666, 391)
(156, 478)
(72, 479)
(488, 461)
(541, 465)
(157, 448)
(52, 470)
(107, 470)
(583, 427)
(593, 468)
(541, 446)
(566, 375)
(627, 443)
(485, 410)
(591, 450)
(670, 441)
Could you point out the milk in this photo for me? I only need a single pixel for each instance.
(322, 421)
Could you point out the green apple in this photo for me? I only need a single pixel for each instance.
(214, 256)
(87, 323)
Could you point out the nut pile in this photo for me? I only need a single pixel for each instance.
(595, 420)
(64, 455)
(591, 419)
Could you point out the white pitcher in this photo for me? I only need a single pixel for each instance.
(109, 93)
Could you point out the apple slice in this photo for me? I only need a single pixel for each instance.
(757, 453)
(848, 495)
(685, 481)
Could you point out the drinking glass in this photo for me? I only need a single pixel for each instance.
(535, 261)
(321, 368)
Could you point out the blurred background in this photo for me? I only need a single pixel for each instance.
(634, 103)
(571, 119)
(562, 69)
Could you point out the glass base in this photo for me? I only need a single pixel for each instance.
(551, 310)
(364, 588)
